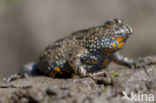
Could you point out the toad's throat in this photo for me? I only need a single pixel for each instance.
(118, 42)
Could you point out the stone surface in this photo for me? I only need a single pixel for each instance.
(106, 88)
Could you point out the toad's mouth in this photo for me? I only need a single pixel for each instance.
(125, 31)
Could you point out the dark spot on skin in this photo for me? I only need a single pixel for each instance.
(55, 47)
(60, 40)
(80, 37)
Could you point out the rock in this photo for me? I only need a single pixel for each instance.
(81, 90)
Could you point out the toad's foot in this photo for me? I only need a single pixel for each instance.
(145, 63)
(101, 77)
(14, 77)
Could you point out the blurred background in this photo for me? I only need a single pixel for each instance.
(28, 26)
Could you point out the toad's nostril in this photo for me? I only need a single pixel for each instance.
(130, 31)
(118, 21)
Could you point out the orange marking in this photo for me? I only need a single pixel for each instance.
(84, 58)
(73, 74)
(114, 45)
(120, 45)
(113, 38)
(117, 62)
(114, 49)
(67, 71)
(108, 53)
(57, 69)
(105, 62)
(52, 74)
(91, 62)
(107, 50)
(119, 39)
(89, 66)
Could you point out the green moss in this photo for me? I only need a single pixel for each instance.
(105, 90)
(115, 74)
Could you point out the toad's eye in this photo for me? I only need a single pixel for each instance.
(118, 21)
(108, 24)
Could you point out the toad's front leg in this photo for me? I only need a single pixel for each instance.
(76, 64)
(84, 64)
(81, 62)
(81, 69)
(121, 60)
(139, 63)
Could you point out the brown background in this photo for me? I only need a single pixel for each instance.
(28, 26)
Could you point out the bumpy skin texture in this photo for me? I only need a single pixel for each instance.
(86, 52)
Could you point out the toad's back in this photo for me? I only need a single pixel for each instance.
(85, 51)
(55, 57)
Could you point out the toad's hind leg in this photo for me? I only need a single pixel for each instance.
(27, 70)
(60, 71)
(57, 68)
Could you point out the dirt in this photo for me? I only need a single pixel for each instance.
(107, 88)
